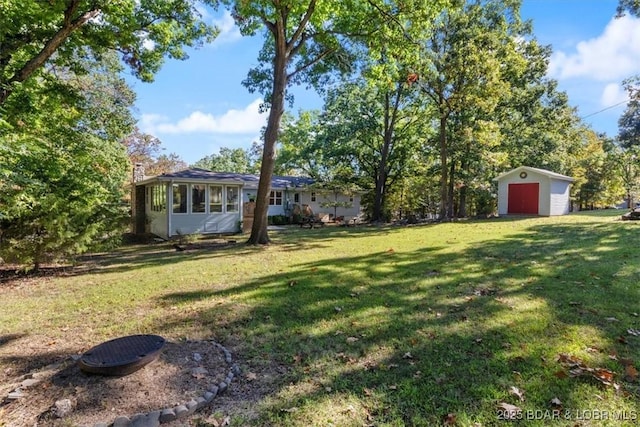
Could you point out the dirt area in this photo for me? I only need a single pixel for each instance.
(183, 371)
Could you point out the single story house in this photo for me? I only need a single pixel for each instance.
(198, 201)
(531, 191)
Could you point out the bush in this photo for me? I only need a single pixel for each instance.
(278, 220)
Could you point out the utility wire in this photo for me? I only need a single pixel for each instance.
(605, 109)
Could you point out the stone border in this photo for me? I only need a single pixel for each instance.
(151, 419)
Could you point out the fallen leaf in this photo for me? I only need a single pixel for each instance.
(292, 409)
(510, 412)
(250, 376)
(390, 250)
(367, 392)
(593, 350)
(450, 419)
(631, 373)
(338, 309)
(611, 319)
(624, 361)
(517, 392)
(622, 340)
(293, 283)
(634, 332)
(605, 376)
(556, 402)
(351, 340)
(393, 387)
(407, 355)
(560, 374)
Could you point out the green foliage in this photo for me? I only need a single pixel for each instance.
(60, 198)
(35, 33)
(629, 122)
(63, 166)
(278, 220)
(235, 160)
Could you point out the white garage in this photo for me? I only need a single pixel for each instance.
(531, 191)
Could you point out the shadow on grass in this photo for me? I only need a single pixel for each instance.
(411, 338)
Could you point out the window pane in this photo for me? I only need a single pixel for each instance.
(179, 198)
(232, 199)
(215, 198)
(313, 196)
(197, 198)
(275, 198)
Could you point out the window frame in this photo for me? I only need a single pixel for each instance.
(211, 202)
(184, 204)
(234, 203)
(204, 199)
(274, 198)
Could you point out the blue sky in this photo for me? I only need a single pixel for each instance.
(197, 106)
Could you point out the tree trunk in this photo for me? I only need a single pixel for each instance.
(259, 234)
(444, 170)
(450, 189)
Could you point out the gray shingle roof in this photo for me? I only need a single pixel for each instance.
(249, 180)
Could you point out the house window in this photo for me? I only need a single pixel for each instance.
(351, 199)
(215, 198)
(158, 198)
(233, 200)
(313, 196)
(296, 198)
(275, 198)
(197, 198)
(179, 198)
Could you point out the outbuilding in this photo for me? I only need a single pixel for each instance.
(532, 191)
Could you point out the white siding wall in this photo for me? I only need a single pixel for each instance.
(202, 223)
(559, 197)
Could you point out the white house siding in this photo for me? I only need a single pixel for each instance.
(203, 223)
(559, 197)
(157, 223)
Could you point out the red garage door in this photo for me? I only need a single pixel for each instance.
(523, 198)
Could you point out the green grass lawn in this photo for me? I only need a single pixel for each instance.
(426, 325)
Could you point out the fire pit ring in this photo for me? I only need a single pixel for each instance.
(122, 356)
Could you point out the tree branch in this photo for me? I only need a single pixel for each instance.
(311, 63)
(291, 44)
(69, 26)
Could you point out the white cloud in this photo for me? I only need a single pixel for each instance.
(246, 121)
(229, 32)
(613, 94)
(611, 56)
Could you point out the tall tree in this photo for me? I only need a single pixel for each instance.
(146, 150)
(463, 58)
(228, 160)
(34, 33)
(303, 42)
(63, 166)
(629, 122)
(374, 131)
